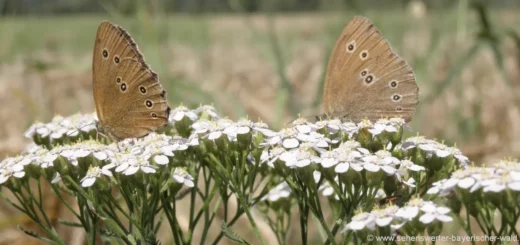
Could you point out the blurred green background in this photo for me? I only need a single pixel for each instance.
(265, 59)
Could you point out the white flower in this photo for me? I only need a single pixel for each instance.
(211, 129)
(385, 125)
(382, 160)
(180, 175)
(281, 191)
(360, 222)
(350, 128)
(210, 110)
(432, 213)
(300, 157)
(347, 155)
(92, 174)
(273, 155)
(384, 217)
(411, 166)
(332, 126)
(63, 126)
(129, 164)
(12, 167)
(286, 138)
(411, 209)
(181, 112)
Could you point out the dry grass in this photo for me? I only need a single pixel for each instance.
(228, 61)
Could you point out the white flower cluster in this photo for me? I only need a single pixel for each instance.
(502, 176)
(213, 130)
(396, 217)
(302, 145)
(181, 112)
(434, 148)
(127, 158)
(63, 126)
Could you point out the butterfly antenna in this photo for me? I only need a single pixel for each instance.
(76, 130)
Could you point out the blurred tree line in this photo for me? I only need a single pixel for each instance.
(43, 7)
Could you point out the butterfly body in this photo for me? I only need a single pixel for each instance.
(366, 79)
(130, 101)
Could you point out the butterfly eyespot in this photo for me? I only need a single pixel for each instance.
(123, 87)
(154, 115)
(363, 55)
(369, 79)
(105, 53)
(399, 109)
(118, 79)
(396, 97)
(364, 73)
(142, 89)
(116, 59)
(351, 46)
(393, 84)
(148, 103)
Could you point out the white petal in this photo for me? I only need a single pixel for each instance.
(81, 153)
(327, 191)
(122, 167)
(290, 143)
(322, 144)
(148, 169)
(87, 182)
(466, 182)
(106, 172)
(444, 218)
(50, 158)
(131, 170)
(341, 168)
(3, 178)
(328, 162)
(389, 170)
(303, 129)
(178, 116)
(161, 159)
(442, 153)
(494, 188)
(381, 222)
(178, 178)
(100, 155)
(303, 163)
(243, 130)
(56, 179)
(189, 183)
(356, 225)
(19, 174)
(443, 210)
(214, 135)
(428, 208)
(450, 183)
(427, 218)
(515, 186)
(371, 167)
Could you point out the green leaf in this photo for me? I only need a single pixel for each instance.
(231, 235)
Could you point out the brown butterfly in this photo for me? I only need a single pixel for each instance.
(366, 79)
(130, 102)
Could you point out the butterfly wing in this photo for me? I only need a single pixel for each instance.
(366, 79)
(130, 101)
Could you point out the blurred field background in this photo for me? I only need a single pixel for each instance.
(266, 60)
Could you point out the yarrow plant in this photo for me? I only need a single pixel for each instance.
(352, 179)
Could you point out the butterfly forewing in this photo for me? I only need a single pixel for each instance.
(130, 102)
(366, 79)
